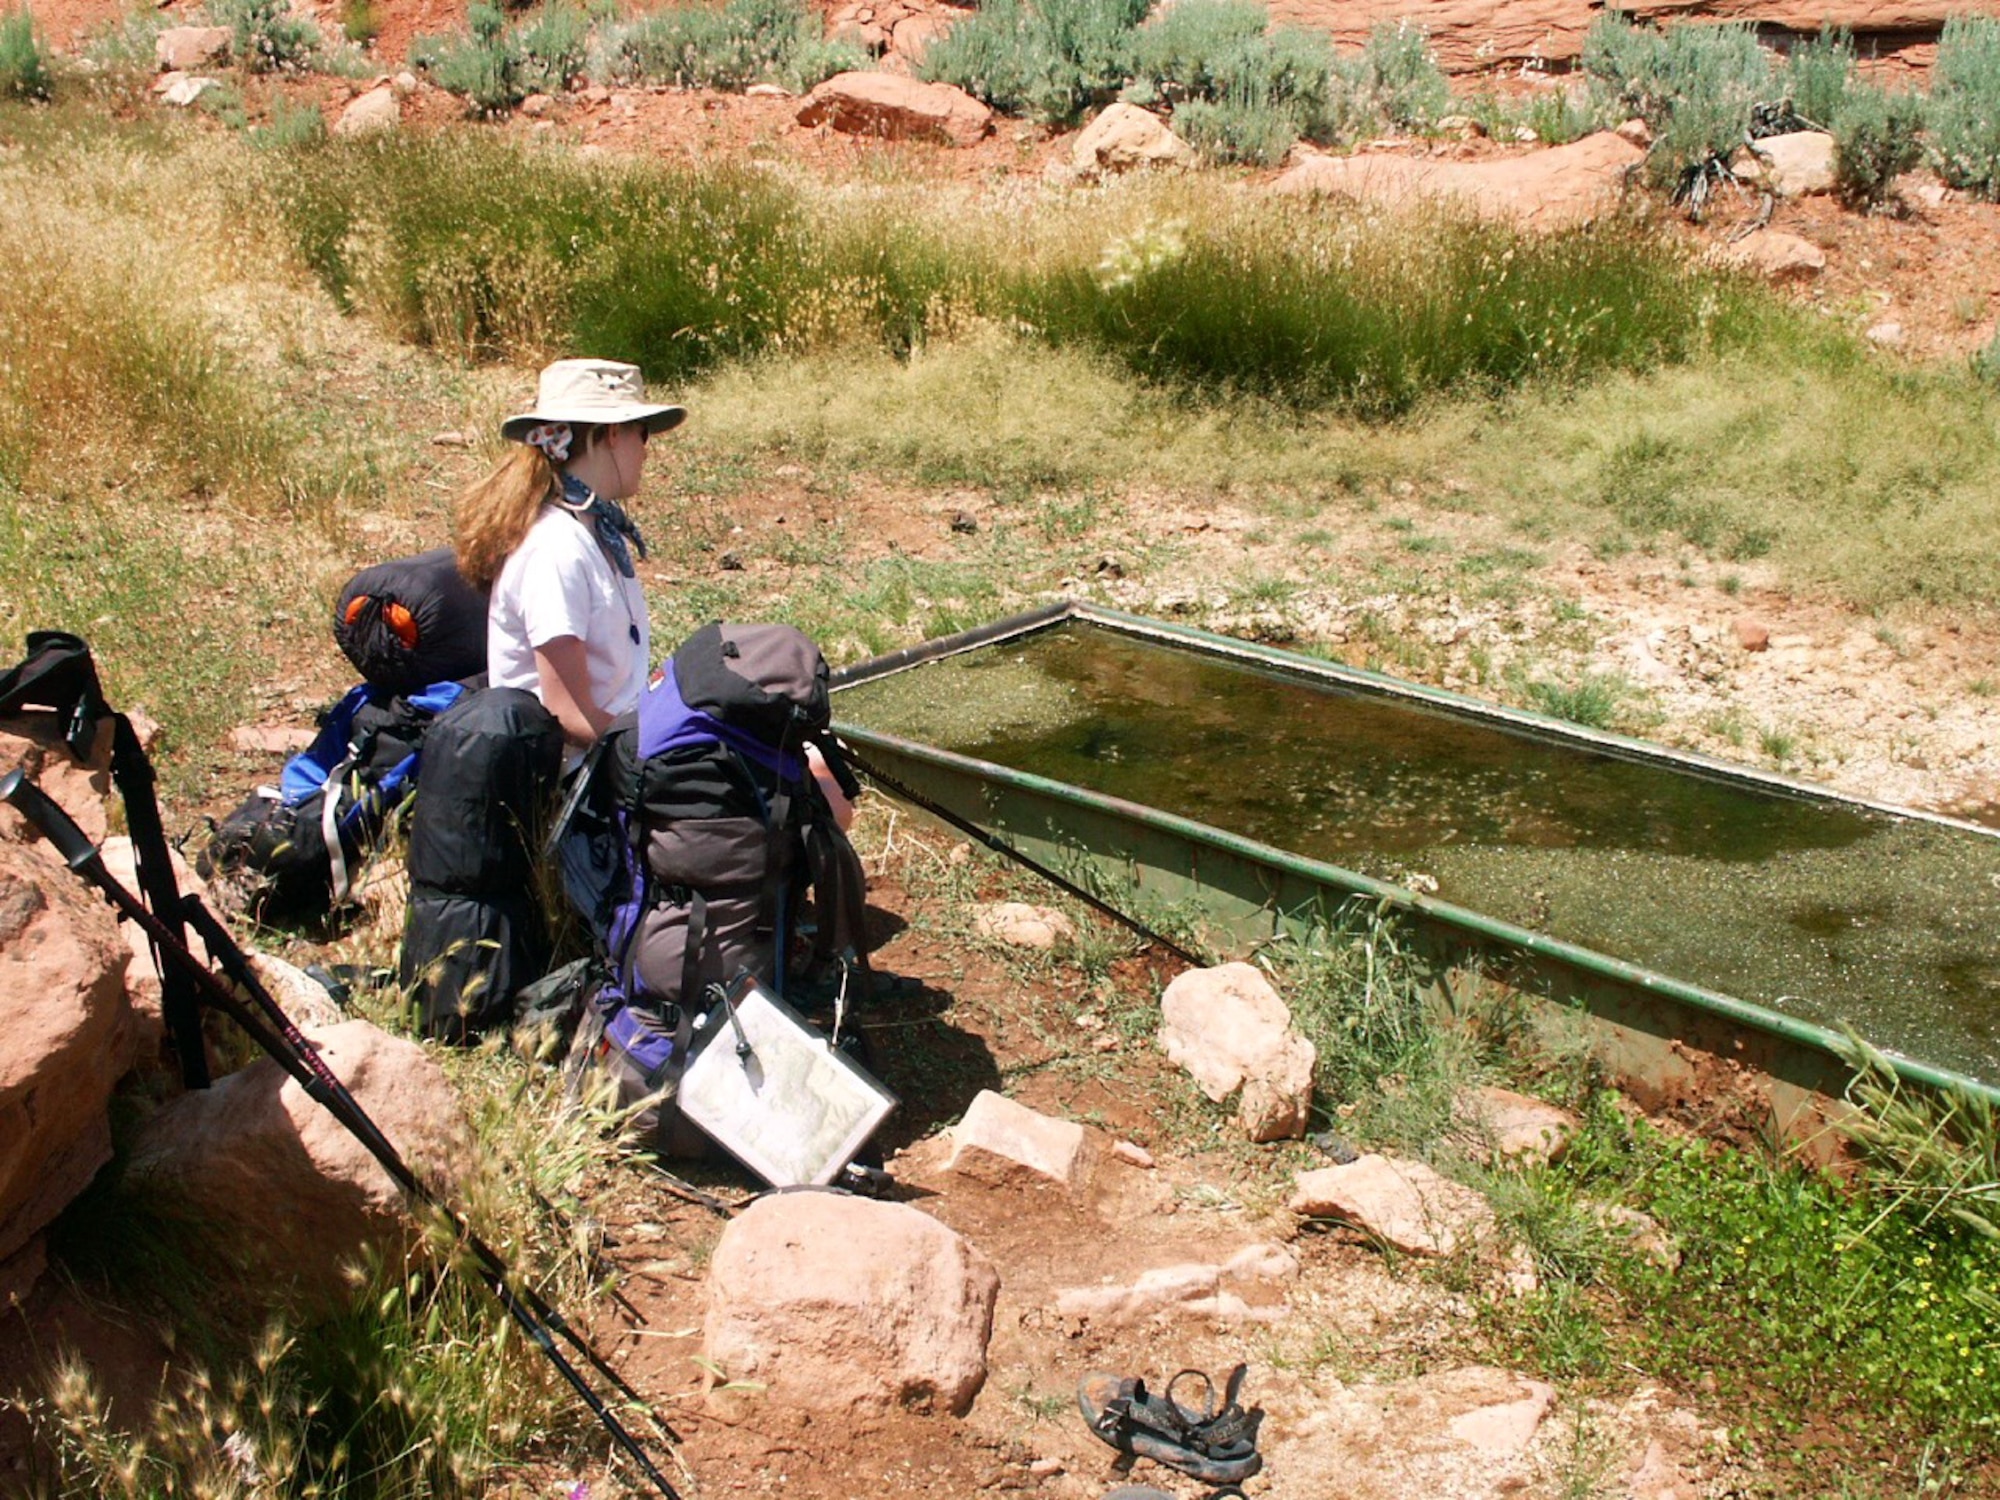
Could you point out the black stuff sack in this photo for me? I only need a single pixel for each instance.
(411, 622)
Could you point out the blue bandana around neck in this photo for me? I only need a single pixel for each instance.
(616, 532)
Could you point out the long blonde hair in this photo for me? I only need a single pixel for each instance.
(493, 516)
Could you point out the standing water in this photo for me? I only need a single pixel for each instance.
(1833, 912)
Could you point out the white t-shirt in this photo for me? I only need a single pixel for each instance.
(558, 582)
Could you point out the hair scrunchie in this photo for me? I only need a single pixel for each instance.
(553, 438)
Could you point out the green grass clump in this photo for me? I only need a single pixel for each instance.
(1051, 60)
(500, 64)
(1693, 85)
(26, 68)
(267, 35)
(1963, 110)
(474, 245)
(731, 47)
(1819, 75)
(1399, 76)
(1592, 700)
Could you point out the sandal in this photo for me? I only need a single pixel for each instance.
(1216, 1443)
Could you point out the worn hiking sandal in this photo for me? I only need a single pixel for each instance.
(1216, 1443)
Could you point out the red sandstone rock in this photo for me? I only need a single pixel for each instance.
(894, 108)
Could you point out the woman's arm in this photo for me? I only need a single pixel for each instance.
(564, 668)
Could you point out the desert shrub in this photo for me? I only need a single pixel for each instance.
(267, 36)
(1400, 76)
(1963, 112)
(1820, 74)
(291, 126)
(1239, 91)
(25, 71)
(1693, 85)
(360, 21)
(1876, 139)
(1051, 60)
(731, 47)
(498, 65)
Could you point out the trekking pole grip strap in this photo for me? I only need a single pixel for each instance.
(42, 810)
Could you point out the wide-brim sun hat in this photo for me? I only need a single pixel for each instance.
(593, 390)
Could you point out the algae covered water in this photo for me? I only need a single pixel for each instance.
(1835, 913)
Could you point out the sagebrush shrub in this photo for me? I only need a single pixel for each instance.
(1051, 59)
(24, 61)
(1821, 74)
(1876, 139)
(1693, 85)
(267, 35)
(1963, 112)
(743, 42)
(1402, 78)
(497, 65)
(1239, 91)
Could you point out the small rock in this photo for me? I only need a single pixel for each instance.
(454, 439)
(377, 110)
(535, 106)
(1777, 256)
(404, 83)
(964, 522)
(1046, 1468)
(1108, 566)
(1514, 1124)
(1797, 164)
(596, 96)
(1229, 1029)
(182, 90)
(1000, 1141)
(182, 49)
(1404, 1204)
(1019, 925)
(1636, 131)
(1132, 1155)
(1886, 335)
(767, 91)
(1752, 635)
(1125, 136)
(730, 562)
(270, 739)
(1262, 1262)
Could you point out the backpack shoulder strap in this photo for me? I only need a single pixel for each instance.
(58, 673)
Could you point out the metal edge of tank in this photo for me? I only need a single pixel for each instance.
(1670, 1043)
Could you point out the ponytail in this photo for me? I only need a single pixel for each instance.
(492, 516)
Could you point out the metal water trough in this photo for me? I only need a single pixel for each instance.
(1673, 1044)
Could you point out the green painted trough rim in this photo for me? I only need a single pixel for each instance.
(1727, 1007)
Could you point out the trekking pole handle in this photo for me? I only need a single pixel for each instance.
(55, 825)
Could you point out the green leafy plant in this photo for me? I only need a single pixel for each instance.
(1401, 76)
(26, 70)
(1239, 90)
(1876, 139)
(1963, 110)
(1592, 700)
(267, 36)
(360, 21)
(291, 127)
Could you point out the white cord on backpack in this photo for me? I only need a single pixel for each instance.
(329, 827)
(840, 1002)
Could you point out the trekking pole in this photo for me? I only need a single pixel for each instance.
(235, 965)
(293, 1052)
(1000, 846)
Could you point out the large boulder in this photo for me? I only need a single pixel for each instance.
(845, 1305)
(896, 108)
(286, 1189)
(66, 1036)
(1551, 189)
(1229, 1029)
(371, 113)
(1125, 136)
(1797, 164)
